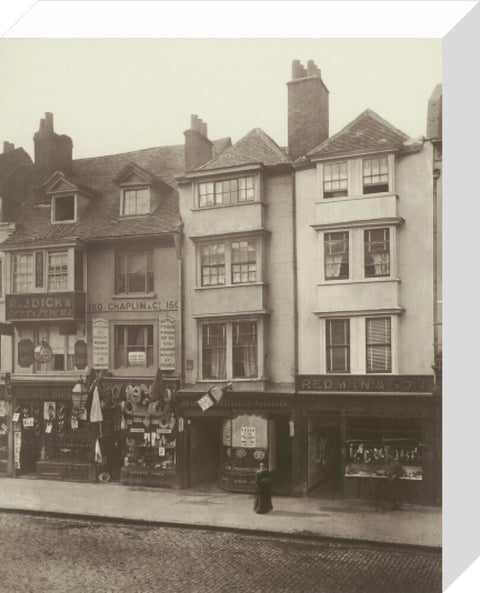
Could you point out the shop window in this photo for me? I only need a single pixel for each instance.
(63, 209)
(135, 201)
(245, 349)
(336, 247)
(57, 270)
(335, 180)
(379, 345)
(62, 349)
(214, 350)
(244, 262)
(229, 191)
(338, 345)
(22, 272)
(375, 175)
(377, 252)
(133, 346)
(133, 272)
(213, 264)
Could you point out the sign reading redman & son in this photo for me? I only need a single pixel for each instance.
(364, 384)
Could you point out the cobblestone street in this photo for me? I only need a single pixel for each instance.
(49, 555)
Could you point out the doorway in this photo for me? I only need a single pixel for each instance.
(204, 438)
(324, 454)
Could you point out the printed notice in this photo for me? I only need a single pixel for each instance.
(247, 436)
(167, 344)
(17, 445)
(100, 343)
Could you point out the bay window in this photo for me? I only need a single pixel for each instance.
(335, 180)
(377, 252)
(133, 272)
(375, 175)
(230, 350)
(57, 270)
(225, 192)
(229, 262)
(22, 272)
(336, 248)
(213, 264)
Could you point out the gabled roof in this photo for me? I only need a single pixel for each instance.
(367, 133)
(101, 217)
(256, 147)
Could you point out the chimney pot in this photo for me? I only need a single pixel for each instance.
(42, 125)
(5, 145)
(312, 69)
(49, 122)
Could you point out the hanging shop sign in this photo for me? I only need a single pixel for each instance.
(364, 384)
(55, 305)
(100, 343)
(43, 353)
(167, 344)
(25, 353)
(80, 354)
(132, 305)
(3, 408)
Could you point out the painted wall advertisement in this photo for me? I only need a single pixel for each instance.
(100, 343)
(167, 344)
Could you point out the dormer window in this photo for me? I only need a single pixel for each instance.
(64, 208)
(136, 201)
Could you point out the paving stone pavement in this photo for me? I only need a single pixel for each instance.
(52, 555)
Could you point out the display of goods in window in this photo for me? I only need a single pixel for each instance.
(80, 354)
(43, 353)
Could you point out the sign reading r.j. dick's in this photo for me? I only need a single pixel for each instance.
(365, 383)
(54, 305)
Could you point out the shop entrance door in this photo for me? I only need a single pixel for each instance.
(283, 446)
(324, 454)
(204, 451)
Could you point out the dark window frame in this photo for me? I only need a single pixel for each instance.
(123, 276)
(386, 345)
(370, 248)
(333, 347)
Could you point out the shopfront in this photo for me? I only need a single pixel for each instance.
(52, 437)
(225, 444)
(356, 429)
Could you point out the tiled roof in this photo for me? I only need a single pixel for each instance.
(101, 218)
(255, 147)
(368, 132)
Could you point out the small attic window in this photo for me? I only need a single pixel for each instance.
(135, 201)
(63, 209)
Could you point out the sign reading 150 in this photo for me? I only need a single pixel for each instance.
(133, 306)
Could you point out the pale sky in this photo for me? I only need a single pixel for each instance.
(116, 95)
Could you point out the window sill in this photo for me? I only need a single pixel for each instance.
(135, 295)
(217, 206)
(358, 281)
(230, 380)
(142, 215)
(215, 286)
(355, 197)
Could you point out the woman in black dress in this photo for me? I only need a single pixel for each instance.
(263, 491)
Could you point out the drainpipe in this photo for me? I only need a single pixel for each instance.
(297, 479)
(436, 175)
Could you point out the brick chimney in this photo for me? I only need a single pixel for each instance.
(8, 146)
(307, 109)
(198, 148)
(434, 114)
(53, 152)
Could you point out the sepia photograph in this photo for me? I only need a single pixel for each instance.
(221, 315)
